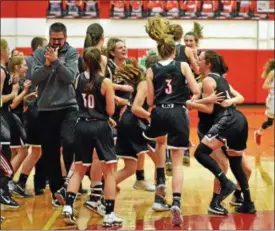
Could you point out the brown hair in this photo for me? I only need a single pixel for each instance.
(93, 35)
(269, 66)
(177, 31)
(196, 32)
(159, 30)
(217, 62)
(15, 61)
(111, 46)
(4, 44)
(37, 41)
(150, 60)
(131, 74)
(92, 58)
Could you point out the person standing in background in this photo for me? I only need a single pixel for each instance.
(31, 121)
(268, 75)
(54, 71)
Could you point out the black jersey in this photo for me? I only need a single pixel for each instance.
(110, 72)
(180, 54)
(222, 86)
(7, 87)
(170, 84)
(91, 106)
(19, 109)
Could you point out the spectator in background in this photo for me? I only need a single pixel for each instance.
(15, 52)
(32, 126)
(36, 43)
(54, 71)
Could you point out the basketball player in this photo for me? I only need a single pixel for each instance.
(184, 54)
(130, 142)
(118, 56)
(94, 38)
(192, 38)
(167, 90)
(268, 75)
(95, 97)
(230, 128)
(18, 69)
(7, 95)
(220, 155)
(32, 125)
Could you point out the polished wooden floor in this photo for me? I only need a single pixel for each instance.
(135, 206)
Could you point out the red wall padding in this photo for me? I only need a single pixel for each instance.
(245, 68)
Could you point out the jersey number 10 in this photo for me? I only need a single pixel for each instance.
(89, 102)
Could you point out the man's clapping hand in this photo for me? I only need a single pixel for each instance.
(51, 55)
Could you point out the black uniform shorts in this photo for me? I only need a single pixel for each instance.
(231, 129)
(130, 141)
(90, 135)
(173, 121)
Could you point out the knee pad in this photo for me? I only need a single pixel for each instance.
(202, 149)
(267, 123)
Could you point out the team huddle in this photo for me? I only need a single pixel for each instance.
(84, 113)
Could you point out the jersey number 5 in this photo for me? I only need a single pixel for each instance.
(89, 102)
(168, 89)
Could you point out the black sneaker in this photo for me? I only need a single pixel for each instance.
(60, 195)
(11, 185)
(216, 208)
(39, 191)
(8, 202)
(236, 201)
(68, 215)
(55, 202)
(227, 189)
(246, 207)
(20, 191)
(186, 158)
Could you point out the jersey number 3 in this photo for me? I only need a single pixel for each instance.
(89, 102)
(168, 89)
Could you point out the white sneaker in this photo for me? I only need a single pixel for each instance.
(68, 215)
(177, 218)
(160, 204)
(101, 209)
(111, 220)
(144, 185)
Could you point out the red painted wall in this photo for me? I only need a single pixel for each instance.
(245, 68)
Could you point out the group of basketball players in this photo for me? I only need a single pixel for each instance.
(143, 112)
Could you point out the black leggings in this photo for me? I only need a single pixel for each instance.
(267, 123)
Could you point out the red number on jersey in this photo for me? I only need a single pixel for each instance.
(90, 103)
(168, 89)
